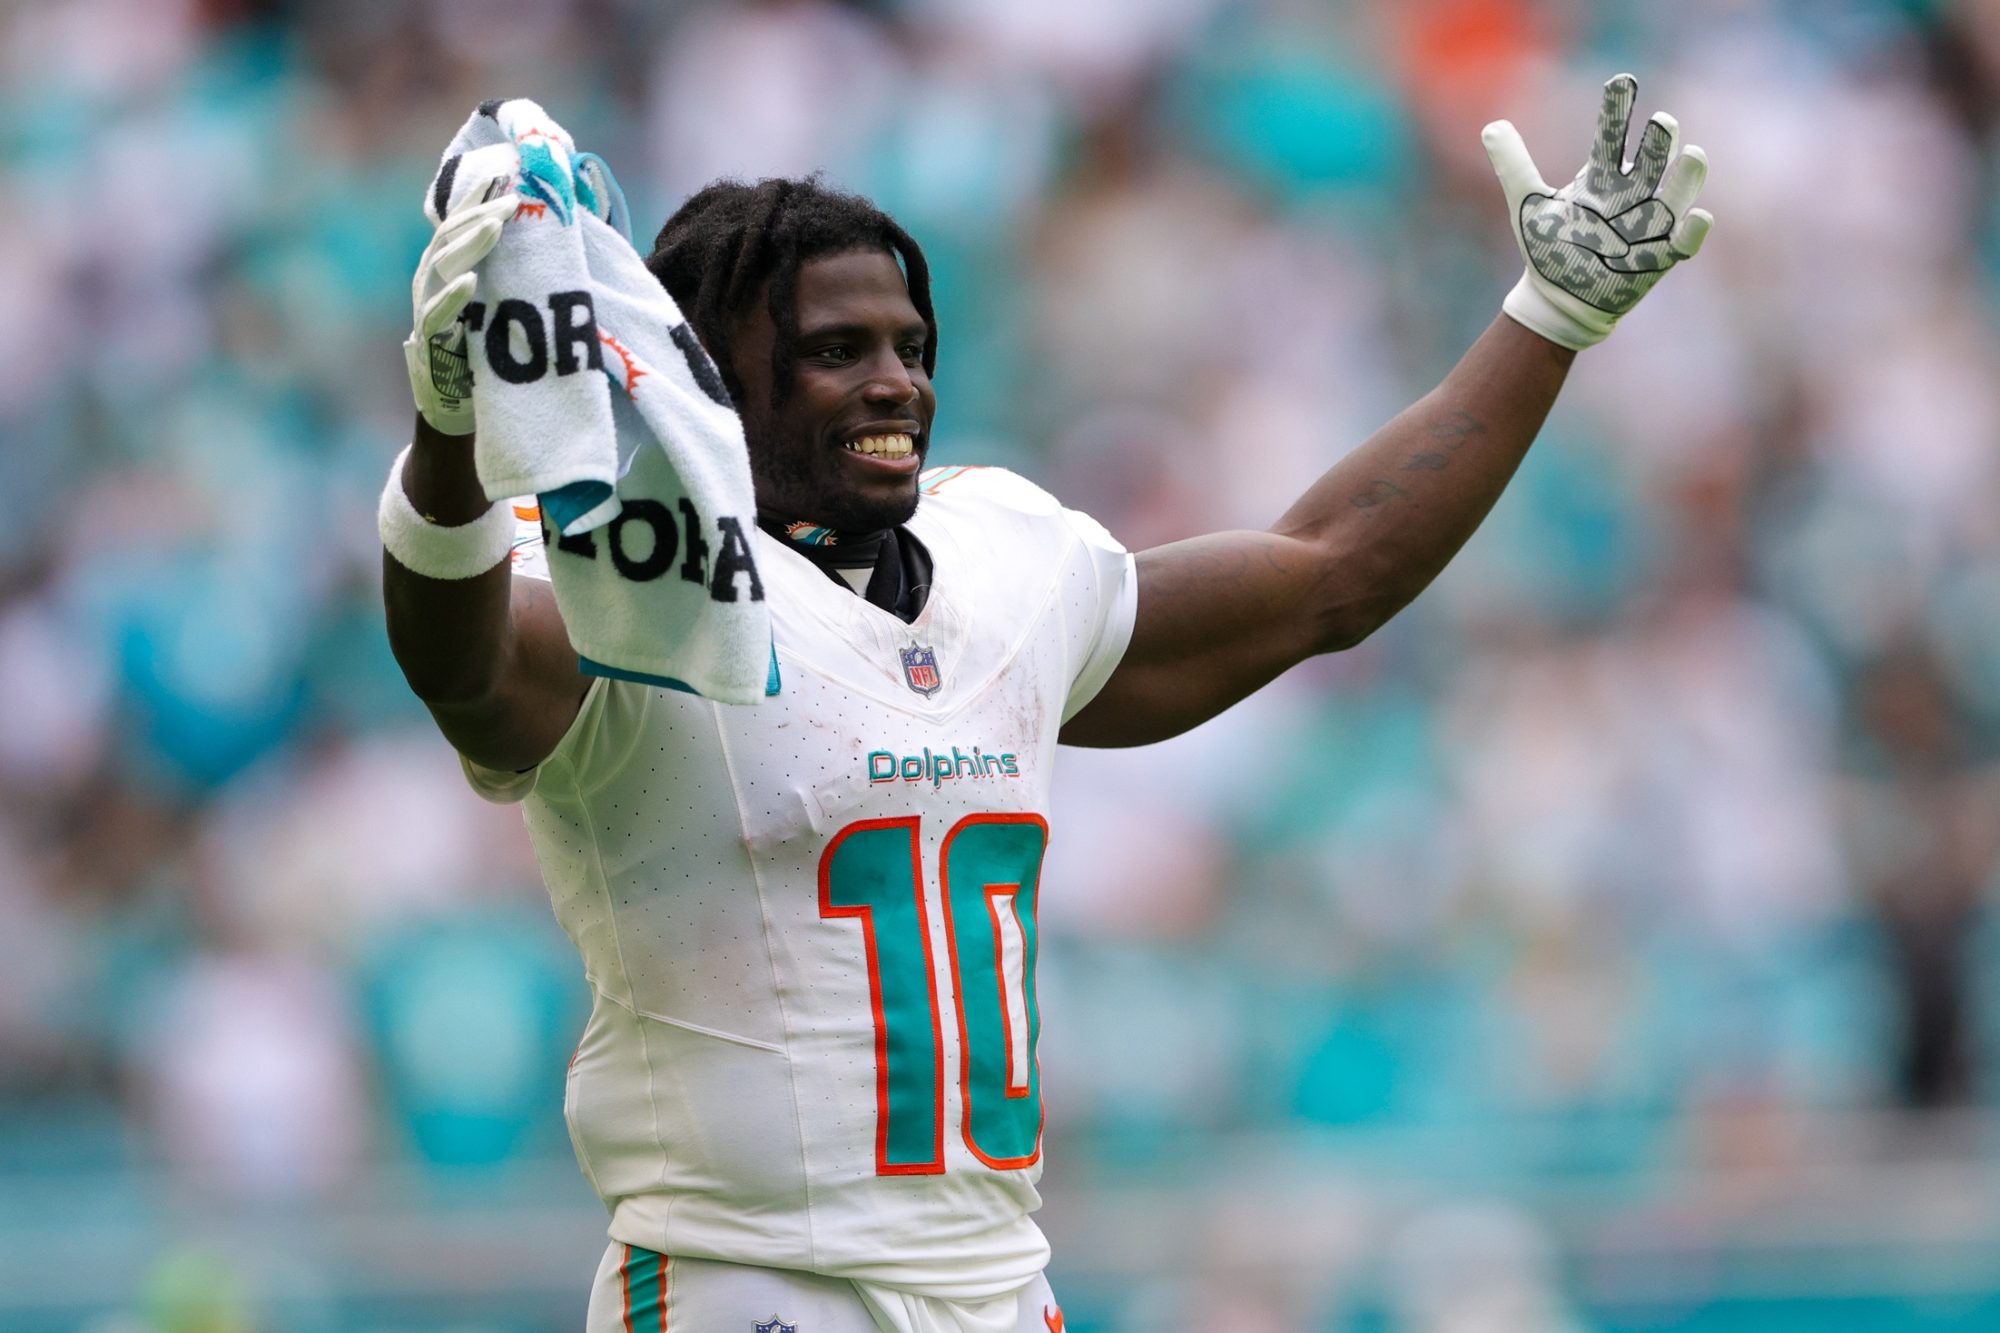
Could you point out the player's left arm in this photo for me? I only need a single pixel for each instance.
(1220, 616)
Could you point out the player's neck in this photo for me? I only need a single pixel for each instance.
(826, 546)
(899, 566)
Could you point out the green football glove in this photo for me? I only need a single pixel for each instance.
(1597, 245)
(440, 377)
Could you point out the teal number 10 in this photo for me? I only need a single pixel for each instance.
(989, 868)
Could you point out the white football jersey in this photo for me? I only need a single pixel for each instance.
(809, 924)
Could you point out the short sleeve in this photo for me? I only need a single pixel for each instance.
(607, 705)
(1100, 596)
(498, 785)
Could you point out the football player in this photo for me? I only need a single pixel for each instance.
(807, 1091)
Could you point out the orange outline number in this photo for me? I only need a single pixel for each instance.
(872, 872)
(880, 881)
(986, 858)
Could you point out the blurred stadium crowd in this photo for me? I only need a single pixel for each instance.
(1512, 970)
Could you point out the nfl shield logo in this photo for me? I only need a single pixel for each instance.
(920, 670)
(777, 1325)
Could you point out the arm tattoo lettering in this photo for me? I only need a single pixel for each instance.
(1452, 433)
(1377, 493)
(1461, 427)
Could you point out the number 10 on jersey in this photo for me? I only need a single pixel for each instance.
(989, 869)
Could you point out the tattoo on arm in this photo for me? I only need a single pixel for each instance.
(1461, 427)
(1452, 433)
(1377, 493)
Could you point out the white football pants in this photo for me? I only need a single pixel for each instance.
(638, 1291)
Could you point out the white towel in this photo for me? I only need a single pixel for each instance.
(594, 395)
(544, 423)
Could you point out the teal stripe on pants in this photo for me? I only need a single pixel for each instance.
(645, 1280)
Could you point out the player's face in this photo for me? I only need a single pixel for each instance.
(858, 380)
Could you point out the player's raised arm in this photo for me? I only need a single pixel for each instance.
(487, 653)
(1221, 615)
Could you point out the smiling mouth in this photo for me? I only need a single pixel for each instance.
(883, 446)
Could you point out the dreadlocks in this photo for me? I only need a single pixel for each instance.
(721, 247)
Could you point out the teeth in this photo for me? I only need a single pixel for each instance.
(883, 446)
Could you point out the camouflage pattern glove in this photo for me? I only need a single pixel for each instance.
(440, 376)
(1597, 245)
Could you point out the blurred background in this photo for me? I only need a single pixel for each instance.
(1605, 945)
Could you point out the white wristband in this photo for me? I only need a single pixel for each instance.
(1530, 306)
(438, 552)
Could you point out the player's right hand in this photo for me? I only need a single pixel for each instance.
(440, 374)
(1598, 244)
